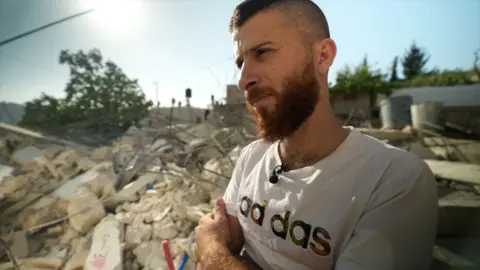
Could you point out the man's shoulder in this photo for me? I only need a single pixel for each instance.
(254, 148)
(401, 165)
(399, 158)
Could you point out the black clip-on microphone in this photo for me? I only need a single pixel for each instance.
(276, 172)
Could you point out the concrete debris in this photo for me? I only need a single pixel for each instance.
(19, 245)
(70, 207)
(26, 155)
(5, 171)
(84, 211)
(65, 206)
(106, 250)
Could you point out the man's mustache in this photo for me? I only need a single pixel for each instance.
(255, 94)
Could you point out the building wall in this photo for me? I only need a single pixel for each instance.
(342, 107)
(450, 96)
(179, 115)
(234, 95)
(465, 117)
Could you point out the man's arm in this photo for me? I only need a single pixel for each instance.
(398, 230)
(223, 259)
(220, 258)
(232, 203)
(236, 233)
(213, 239)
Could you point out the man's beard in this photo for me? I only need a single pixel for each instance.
(292, 106)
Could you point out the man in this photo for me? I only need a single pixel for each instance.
(311, 194)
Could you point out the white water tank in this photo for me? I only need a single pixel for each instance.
(426, 112)
(395, 111)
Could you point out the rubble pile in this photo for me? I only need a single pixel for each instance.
(65, 207)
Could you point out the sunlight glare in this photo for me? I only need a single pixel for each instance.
(115, 15)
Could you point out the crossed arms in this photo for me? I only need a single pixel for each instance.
(219, 240)
(396, 231)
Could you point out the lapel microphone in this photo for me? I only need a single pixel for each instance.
(276, 172)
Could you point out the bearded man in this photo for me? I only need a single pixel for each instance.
(310, 193)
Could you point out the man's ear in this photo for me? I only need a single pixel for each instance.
(324, 52)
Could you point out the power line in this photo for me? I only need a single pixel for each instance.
(44, 27)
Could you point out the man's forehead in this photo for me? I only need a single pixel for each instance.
(263, 27)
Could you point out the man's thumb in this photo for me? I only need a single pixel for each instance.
(220, 209)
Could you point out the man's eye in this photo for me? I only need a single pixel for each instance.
(239, 64)
(259, 52)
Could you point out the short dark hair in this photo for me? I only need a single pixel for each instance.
(304, 13)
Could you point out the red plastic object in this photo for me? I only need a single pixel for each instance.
(168, 255)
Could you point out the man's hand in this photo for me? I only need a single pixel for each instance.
(212, 235)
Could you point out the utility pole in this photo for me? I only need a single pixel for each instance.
(157, 113)
(155, 83)
(188, 95)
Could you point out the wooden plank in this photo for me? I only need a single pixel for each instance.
(456, 171)
(445, 259)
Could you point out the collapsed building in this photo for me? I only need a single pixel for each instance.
(64, 205)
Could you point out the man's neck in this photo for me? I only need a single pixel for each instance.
(314, 140)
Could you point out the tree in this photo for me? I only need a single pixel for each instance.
(99, 97)
(476, 69)
(393, 70)
(414, 62)
(362, 79)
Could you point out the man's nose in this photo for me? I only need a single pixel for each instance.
(248, 78)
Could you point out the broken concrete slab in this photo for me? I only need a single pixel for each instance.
(387, 134)
(102, 154)
(5, 171)
(67, 190)
(137, 187)
(20, 247)
(43, 263)
(77, 261)
(456, 171)
(66, 158)
(26, 155)
(420, 150)
(106, 251)
(85, 211)
(34, 218)
(84, 164)
(150, 255)
(198, 131)
(138, 232)
(445, 259)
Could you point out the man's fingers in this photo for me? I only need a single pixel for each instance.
(207, 217)
(220, 211)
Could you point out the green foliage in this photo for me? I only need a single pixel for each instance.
(362, 79)
(99, 97)
(414, 62)
(441, 78)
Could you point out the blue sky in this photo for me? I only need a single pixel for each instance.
(185, 43)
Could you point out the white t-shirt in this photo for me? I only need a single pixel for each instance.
(367, 205)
